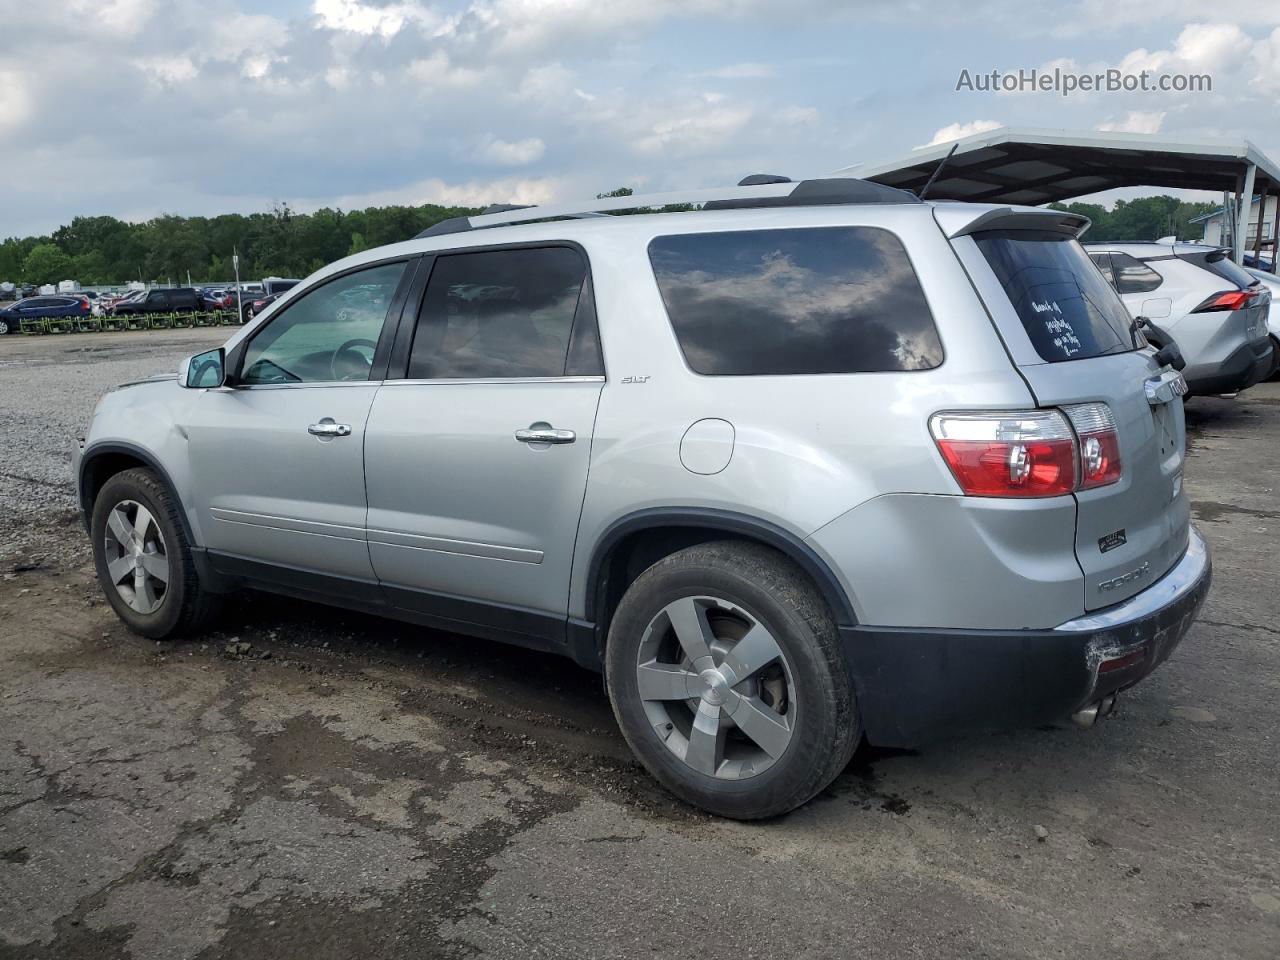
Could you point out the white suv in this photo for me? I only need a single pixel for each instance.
(815, 462)
(1213, 308)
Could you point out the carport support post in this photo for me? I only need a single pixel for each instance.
(1242, 217)
(1275, 234)
(1262, 209)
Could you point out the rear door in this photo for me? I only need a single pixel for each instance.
(476, 460)
(1071, 339)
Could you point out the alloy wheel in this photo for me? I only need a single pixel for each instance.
(136, 559)
(716, 687)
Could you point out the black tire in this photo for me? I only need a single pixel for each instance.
(185, 606)
(1275, 360)
(4, 326)
(785, 602)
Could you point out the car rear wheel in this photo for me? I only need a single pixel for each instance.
(1275, 360)
(727, 679)
(143, 559)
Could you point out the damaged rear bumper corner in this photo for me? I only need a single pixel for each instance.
(920, 685)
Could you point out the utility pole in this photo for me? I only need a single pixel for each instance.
(235, 262)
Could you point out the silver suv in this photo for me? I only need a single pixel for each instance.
(812, 463)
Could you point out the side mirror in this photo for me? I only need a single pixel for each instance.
(204, 370)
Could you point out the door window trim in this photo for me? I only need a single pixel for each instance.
(398, 366)
(378, 372)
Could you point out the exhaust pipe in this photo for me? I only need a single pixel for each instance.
(1089, 715)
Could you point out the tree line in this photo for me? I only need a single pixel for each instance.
(1146, 218)
(282, 242)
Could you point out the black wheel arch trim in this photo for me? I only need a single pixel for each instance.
(731, 522)
(96, 450)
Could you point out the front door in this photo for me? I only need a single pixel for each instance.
(277, 459)
(476, 461)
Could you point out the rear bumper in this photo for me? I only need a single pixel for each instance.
(1243, 368)
(916, 686)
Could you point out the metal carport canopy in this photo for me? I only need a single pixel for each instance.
(1031, 166)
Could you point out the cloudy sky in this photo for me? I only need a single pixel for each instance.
(140, 107)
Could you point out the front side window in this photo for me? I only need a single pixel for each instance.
(1134, 276)
(795, 301)
(1068, 309)
(499, 314)
(329, 333)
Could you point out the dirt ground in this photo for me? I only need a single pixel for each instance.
(350, 786)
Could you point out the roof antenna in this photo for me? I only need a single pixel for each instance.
(937, 170)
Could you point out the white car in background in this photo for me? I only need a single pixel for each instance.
(1213, 308)
(1272, 282)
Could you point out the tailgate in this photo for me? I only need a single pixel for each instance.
(1068, 334)
(1129, 533)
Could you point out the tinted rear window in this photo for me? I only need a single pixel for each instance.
(798, 301)
(1068, 309)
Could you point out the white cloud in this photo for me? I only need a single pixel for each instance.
(740, 71)
(167, 69)
(1265, 60)
(694, 127)
(437, 71)
(503, 153)
(121, 18)
(367, 19)
(956, 131)
(15, 101)
(1136, 121)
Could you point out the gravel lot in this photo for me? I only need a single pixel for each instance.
(352, 786)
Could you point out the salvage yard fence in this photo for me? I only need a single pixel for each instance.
(39, 326)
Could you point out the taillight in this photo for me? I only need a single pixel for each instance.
(1099, 444)
(1029, 453)
(1227, 300)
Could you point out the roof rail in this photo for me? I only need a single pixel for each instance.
(778, 192)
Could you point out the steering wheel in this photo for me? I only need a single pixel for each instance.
(358, 366)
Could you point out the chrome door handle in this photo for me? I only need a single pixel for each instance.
(543, 433)
(326, 429)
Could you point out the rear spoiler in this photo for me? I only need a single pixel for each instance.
(957, 221)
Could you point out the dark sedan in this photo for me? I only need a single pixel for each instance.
(36, 308)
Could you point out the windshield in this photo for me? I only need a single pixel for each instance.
(1067, 307)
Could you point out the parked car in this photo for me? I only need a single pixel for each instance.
(255, 307)
(1272, 282)
(34, 308)
(817, 462)
(169, 300)
(8, 292)
(1212, 307)
(269, 289)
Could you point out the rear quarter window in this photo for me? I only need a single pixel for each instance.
(1068, 309)
(795, 301)
(1217, 262)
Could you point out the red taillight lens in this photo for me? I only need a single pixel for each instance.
(1227, 300)
(1008, 454)
(1099, 444)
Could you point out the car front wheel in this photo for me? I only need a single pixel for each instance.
(143, 559)
(726, 676)
(4, 326)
